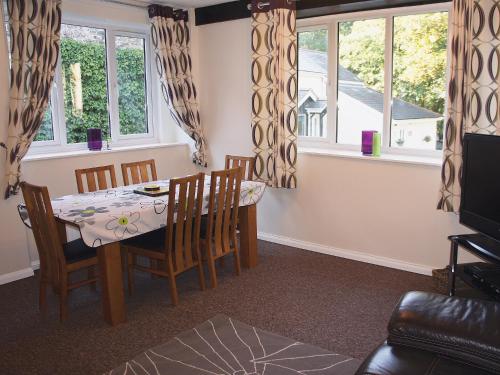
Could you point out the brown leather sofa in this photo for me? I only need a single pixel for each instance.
(433, 334)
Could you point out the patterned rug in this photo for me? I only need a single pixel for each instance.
(223, 346)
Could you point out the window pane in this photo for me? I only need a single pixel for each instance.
(360, 79)
(83, 60)
(418, 84)
(131, 85)
(46, 130)
(313, 82)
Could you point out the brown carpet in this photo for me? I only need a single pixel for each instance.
(337, 304)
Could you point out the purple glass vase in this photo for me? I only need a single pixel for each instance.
(94, 139)
(367, 141)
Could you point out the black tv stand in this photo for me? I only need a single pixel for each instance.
(481, 246)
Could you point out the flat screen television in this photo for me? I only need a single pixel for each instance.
(480, 200)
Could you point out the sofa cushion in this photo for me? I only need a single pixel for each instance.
(464, 329)
(398, 360)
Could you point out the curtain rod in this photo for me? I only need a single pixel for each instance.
(260, 5)
(264, 4)
(124, 3)
(121, 2)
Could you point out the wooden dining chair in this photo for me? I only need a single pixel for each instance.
(176, 248)
(220, 237)
(139, 172)
(246, 163)
(91, 174)
(58, 258)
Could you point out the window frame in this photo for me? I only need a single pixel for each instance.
(330, 127)
(116, 135)
(330, 23)
(59, 144)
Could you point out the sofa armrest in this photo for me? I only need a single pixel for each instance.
(466, 330)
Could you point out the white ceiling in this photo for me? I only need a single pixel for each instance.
(174, 3)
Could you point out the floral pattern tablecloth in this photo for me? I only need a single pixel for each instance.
(112, 215)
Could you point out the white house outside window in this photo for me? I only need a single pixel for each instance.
(380, 70)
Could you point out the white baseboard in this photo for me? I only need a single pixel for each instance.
(16, 275)
(318, 248)
(21, 274)
(348, 254)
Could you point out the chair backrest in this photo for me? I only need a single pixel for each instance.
(45, 231)
(223, 204)
(139, 172)
(185, 205)
(90, 175)
(246, 163)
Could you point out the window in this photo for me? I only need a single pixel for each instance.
(313, 82)
(46, 131)
(360, 79)
(387, 72)
(84, 81)
(131, 70)
(418, 80)
(102, 81)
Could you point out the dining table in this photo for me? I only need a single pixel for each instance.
(107, 217)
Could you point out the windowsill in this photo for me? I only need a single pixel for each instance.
(76, 153)
(385, 158)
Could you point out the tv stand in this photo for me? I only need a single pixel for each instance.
(481, 246)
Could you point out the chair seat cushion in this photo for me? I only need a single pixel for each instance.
(75, 251)
(203, 226)
(154, 240)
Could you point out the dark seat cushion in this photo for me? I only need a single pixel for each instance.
(75, 251)
(154, 240)
(461, 328)
(399, 360)
(203, 226)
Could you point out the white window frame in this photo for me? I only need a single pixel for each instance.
(59, 144)
(116, 136)
(320, 141)
(331, 23)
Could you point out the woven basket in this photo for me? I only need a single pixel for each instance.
(440, 281)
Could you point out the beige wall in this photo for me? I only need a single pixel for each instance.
(380, 212)
(377, 211)
(58, 174)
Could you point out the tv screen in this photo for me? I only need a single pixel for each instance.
(480, 201)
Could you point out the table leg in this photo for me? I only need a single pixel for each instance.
(453, 268)
(113, 302)
(248, 235)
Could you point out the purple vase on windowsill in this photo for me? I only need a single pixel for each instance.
(94, 139)
(367, 141)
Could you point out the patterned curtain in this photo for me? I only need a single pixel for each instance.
(274, 100)
(34, 43)
(171, 39)
(473, 92)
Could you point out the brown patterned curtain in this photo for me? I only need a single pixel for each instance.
(34, 43)
(171, 40)
(473, 92)
(274, 100)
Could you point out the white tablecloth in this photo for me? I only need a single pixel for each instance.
(112, 215)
